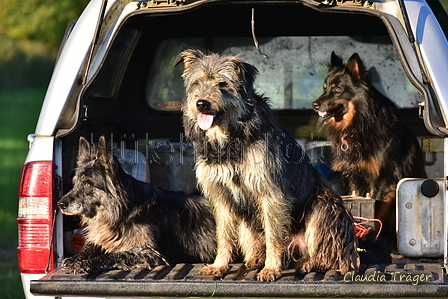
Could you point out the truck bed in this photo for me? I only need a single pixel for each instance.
(401, 278)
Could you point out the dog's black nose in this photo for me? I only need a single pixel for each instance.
(203, 105)
(316, 106)
(62, 204)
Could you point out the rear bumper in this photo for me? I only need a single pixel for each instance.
(392, 280)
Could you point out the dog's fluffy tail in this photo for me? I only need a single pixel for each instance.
(329, 237)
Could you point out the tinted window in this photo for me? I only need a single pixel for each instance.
(294, 74)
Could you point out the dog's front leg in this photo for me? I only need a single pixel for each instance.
(275, 222)
(81, 262)
(146, 258)
(225, 234)
(252, 244)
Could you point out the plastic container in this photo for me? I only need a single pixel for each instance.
(420, 217)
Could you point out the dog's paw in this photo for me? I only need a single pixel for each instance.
(269, 274)
(74, 265)
(304, 267)
(254, 261)
(215, 271)
(128, 268)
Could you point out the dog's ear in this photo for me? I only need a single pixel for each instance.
(188, 57)
(246, 71)
(84, 151)
(102, 142)
(335, 60)
(103, 153)
(356, 67)
(107, 161)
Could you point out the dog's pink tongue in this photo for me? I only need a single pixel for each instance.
(205, 120)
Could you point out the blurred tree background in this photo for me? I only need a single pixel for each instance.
(30, 34)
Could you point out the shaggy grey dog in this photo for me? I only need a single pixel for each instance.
(269, 202)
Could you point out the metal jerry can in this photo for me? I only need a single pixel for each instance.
(420, 218)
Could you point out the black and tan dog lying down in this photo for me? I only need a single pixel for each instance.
(131, 223)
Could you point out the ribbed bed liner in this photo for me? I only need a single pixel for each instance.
(422, 279)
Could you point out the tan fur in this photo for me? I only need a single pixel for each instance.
(342, 123)
(256, 184)
(109, 239)
(252, 245)
(371, 165)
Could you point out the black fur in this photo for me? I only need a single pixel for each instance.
(372, 147)
(131, 223)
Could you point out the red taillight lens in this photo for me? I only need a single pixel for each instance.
(35, 218)
(37, 178)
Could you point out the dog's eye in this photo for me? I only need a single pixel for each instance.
(325, 86)
(87, 184)
(337, 89)
(222, 84)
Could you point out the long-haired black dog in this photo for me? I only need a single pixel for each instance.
(131, 223)
(372, 147)
(268, 200)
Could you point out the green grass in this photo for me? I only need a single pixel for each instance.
(18, 117)
(10, 277)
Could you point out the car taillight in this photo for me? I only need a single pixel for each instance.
(35, 218)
